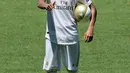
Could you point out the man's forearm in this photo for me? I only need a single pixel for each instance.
(42, 4)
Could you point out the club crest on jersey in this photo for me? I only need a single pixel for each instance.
(46, 63)
(87, 0)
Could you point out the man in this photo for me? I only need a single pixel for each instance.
(62, 42)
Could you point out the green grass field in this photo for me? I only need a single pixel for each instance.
(22, 30)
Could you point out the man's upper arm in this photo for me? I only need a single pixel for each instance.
(40, 1)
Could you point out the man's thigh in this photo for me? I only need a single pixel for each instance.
(70, 56)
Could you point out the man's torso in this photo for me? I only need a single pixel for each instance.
(61, 25)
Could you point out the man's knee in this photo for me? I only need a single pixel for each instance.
(72, 71)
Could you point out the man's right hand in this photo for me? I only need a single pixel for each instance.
(43, 5)
(50, 6)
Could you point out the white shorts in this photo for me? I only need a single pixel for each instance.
(58, 55)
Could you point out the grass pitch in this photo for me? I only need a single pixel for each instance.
(22, 30)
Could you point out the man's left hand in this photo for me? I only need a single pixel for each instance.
(88, 36)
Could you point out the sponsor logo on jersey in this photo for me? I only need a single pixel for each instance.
(63, 7)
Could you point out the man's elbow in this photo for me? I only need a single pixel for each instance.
(39, 5)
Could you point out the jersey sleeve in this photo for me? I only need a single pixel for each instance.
(88, 2)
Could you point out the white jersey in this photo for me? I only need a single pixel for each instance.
(61, 26)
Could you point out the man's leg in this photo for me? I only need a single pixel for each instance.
(51, 71)
(72, 71)
(52, 58)
(70, 57)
